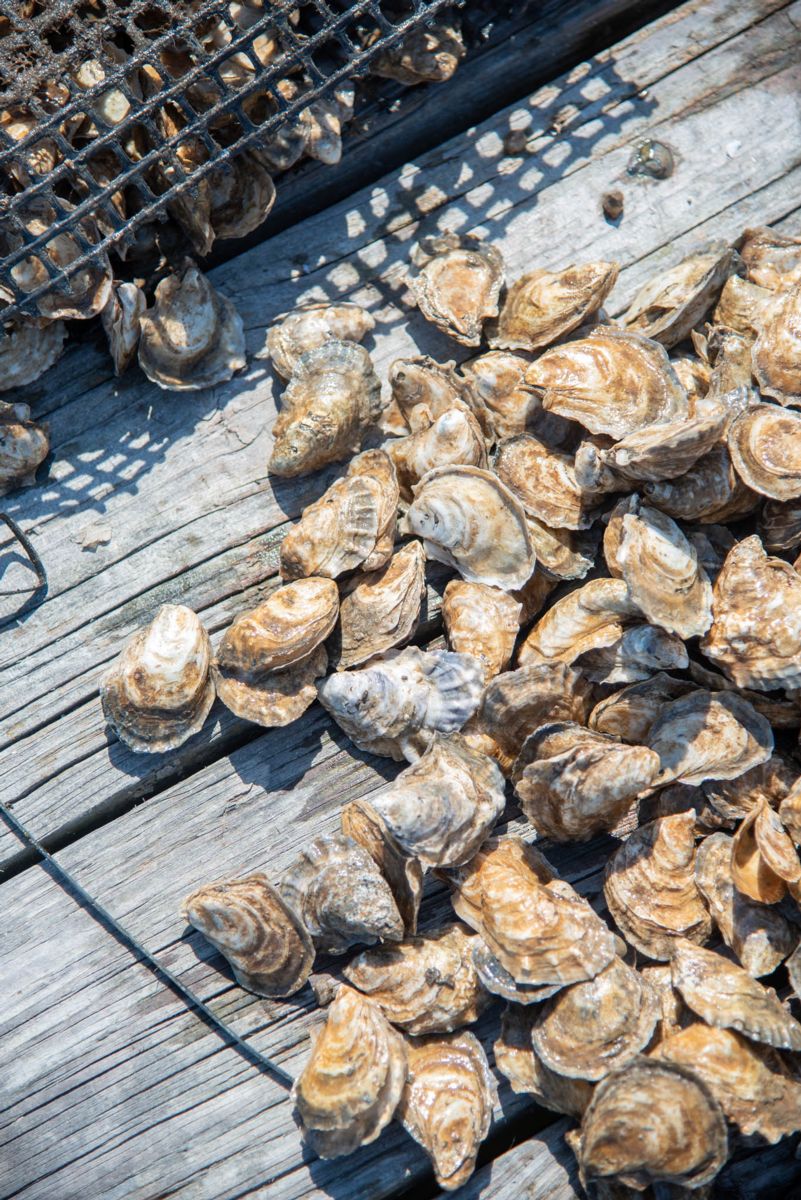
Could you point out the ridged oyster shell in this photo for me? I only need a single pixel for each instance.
(458, 284)
(776, 353)
(494, 389)
(764, 445)
(588, 618)
(657, 452)
(28, 348)
(711, 491)
(630, 713)
(362, 824)
(24, 446)
(516, 1058)
(764, 861)
(121, 319)
(422, 390)
(482, 621)
(455, 437)
(380, 610)
(735, 798)
(427, 54)
(544, 482)
(545, 305)
(742, 306)
(308, 327)
(376, 466)
(670, 304)
(709, 735)
(780, 525)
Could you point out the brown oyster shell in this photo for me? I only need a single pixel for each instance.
(790, 811)
(380, 610)
(469, 520)
(764, 447)
(423, 984)
(637, 652)
(573, 783)
(630, 713)
(651, 890)
(24, 445)
(159, 691)
(711, 491)
(427, 54)
(362, 824)
(396, 704)
(671, 303)
(337, 533)
(654, 453)
(422, 390)
(516, 1058)
(454, 438)
(340, 895)
(377, 466)
(563, 553)
(497, 980)
(264, 940)
(458, 284)
(592, 616)
(742, 306)
(764, 861)
(28, 348)
(351, 1085)
(679, 798)
(772, 259)
(776, 353)
(192, 337)
(780, 525)
(482, 621)
(611, 382)
(121, 323)
(494, 389)
(308, 327)
(770, 780)
(273, 698)
(544, 482)
(709, 735)
(447, 1103)
(673, 1015)
(332, 397)
(726, 997)
(543, 306)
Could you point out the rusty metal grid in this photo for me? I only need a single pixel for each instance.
(44, 42)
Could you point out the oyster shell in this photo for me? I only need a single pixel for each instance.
(397, 704)
(543, 306)
(780, 525)
(611, 382)
(776, 353)
(563, 553)
(516, 1058)
(380, 610)
(27, 349)
(497, 980)
(263, 939)
(446, 1105)
(273, 698)
(592, 616)
(764, 862)
(711, 491)
(24, 446)
(772, 259)
(544, 482)
(192, 337)
(158, 692)
(726, 997)
(308, 327)
(121, 323)
(654, 453)
(469, 520)
(673, 1015)
(574, 783)
(742, 306)
(482, 621)
(428, 54)
(423, 984)
(494, 388)
(338, 533)
(453, 438)
(709, 735)
(351, 1085)
(362, 824)
(670, 304)
(340, 895)
(764, 447)
(330, 400)
(457, 285)
(422, 390)
(735, 798)
(630, 713)
(377, 466)
(638, 651)
(790, 811)
(650, 887)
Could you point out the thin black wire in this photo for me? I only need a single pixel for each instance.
(38, 593)
(162, 973)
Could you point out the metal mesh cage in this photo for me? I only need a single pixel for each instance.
(99, 97)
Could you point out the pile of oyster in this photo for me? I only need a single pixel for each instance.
(619, 505)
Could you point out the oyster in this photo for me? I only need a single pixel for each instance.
(362, 824)
(330, 400)
(544, 482)
(380, 610)
(651, 890)
(340, 895)
(308, 327)
(494, 389)
(158, 692)
(482, 621)
(397, 704)
(726, 997)
(377, 466)
(673, 1015)
(497, 980)
(651, 454)
(772, 259)
(790, 811)
(764, 862)
(351, 1085)
(423, 984)
(192, 337)
(630, 713)
(563, 553)
(422, 390)
(27, 349)
(611, 382)
(592, 616)
(574, 783)
(453, 438)
(638, 651)
(457, 285)
(771, 780)
(469, 520)
(711, 491)
(543, 306)
(24, 446)
(338, 533)
(121, 322)
(709, 735)
(674, 301)
(427, 54)
(516, 1058)
(272, 698)
(780, 525)
(446, 1105)
(776, 353)
(265, 942)
(742, 306)
(764, 446)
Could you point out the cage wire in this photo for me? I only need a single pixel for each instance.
(78, 129)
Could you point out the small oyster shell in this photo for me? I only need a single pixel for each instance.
(776, 353)
(574, 783)
(265, 942)
(397, 704)
(711, 491)
(340, 895)
(673, 1015)
(772, 259)
(497, 980)
(351, 1085)
(563, 553)
(337, 533)
(380, 610)
(469, 520)
(274, 698)
(423, 984)
(192, 337)
(453, 438)
(24, 446)
(630, 713)
(726, 997)
(544, 481)
(495, 391)
(332, 397)
(742, 306)
(158, 692)
(654, 453)
(482, 621)
(308, 327)
(679, 798)
(516, 1058)
(653, 1122)
(780, 525)
(27, 349)
(670, 304)
(637, 652)
(709, 735)
(770, 780)
(592, 616)
(651, 890)
(428, 54)
(763, 858)
(377, 466)
(543, 306)
(763, 443)
(121, 322)
(611, 382)
(362, 824)
(458, 284)
(423, 390)
(446, 1105)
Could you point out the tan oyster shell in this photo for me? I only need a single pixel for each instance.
(694, 376)
(742, 306)
(790, 811)
(764, 447)
(764, 861)
(516, 1058)
(497, 980)
(404, 875)
(308, 327)
(543, 306)
(469, 520)
(772, 259)
(726, 997)
(121, 321)
(377, 466)
(780, 525)
(653, 1122)
(423, 984)
(340, 895)
(535, 591)
(592, 616)
(273, 698)
(637, 652)
(668, 306)
(611, 382)
(680, 798)
(337, 533)
(495, 391)
(396, 704)
(351, 1085)
(263, 939)
(192, 337)
(422, 390)
(159, 692)
(380, 610)
(458, 284)
(482, 621)
(27, 349)
(776, 353)
(630, 713)
(24, 445)
(563, 553)
(771, 780)
(673, 1015)
(756, 629)
(711, 491)
(229, 202)
(545, 482)
(455, 437)
(330, 400)
(574, 783)
(427, 54)
(446, 1105)
(650, 887)
(654, 453)
(709, 735)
